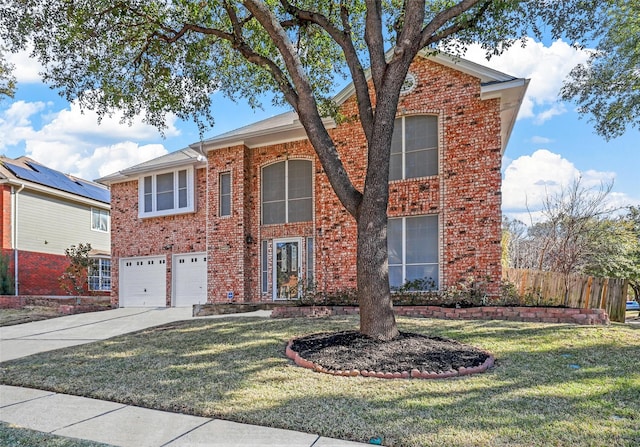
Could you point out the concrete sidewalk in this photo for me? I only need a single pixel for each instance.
(114, 423)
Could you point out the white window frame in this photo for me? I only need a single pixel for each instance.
(104, 281)
(400, 125)
(404, 263)
(95, 223)
(190, 208)
(223, 196)
(287, 200)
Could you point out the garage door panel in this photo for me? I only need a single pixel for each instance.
(143, 281)
(189, 279)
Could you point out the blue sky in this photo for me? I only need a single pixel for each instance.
(549, 147)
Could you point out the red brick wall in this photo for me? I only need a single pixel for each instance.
(465, 195)
(533, 314)
(38, 273)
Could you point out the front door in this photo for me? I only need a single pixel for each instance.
(287, 270)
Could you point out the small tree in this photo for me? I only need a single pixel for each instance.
(7, 286)
(619, 256)
(75, 279)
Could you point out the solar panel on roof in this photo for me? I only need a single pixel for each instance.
(55, 179)
(23, 173)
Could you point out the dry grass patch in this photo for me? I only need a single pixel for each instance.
(21, 437)
(552, 384)
(10, 317)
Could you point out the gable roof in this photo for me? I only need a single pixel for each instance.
(26, 171)
(286, 126)
(183, 157)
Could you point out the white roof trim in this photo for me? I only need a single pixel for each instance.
(134, 172)
(263, 136)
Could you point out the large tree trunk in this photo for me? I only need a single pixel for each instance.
(377, 319)
(374, 296)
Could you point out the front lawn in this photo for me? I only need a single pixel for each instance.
(21, 437)
(552, 384)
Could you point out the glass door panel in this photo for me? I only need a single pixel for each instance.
(287, 269)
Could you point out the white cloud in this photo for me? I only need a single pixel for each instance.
(529, 179)
(555, 109)
(537, 139)
(73, 142)
(78, 122)
(109, 159)
(25, 68)
(547, 67)
(15, 122)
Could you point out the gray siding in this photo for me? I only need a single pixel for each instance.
(48, 224)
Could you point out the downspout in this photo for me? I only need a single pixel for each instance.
(14, 235)
(203, 154)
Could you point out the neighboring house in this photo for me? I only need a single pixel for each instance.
(43, 213)
(249, 215)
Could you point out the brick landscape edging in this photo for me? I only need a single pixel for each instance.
(413, 374)
(530, 314)
(64, 304)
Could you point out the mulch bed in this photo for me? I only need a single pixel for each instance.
(351, 353)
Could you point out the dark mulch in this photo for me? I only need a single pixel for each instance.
(352, 350)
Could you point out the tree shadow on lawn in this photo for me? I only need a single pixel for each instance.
(546, 401)
(236, 369)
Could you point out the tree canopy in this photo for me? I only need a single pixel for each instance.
(155, 57)
(607, 86)
(7, 80)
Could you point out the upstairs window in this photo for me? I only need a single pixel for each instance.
(100, 220)
(225, 194)
(287, 192)
(414, 147)
(166, 193)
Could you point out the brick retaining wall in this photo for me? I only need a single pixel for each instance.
(64, 304)
(533, 314)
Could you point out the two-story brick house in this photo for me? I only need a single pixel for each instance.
(249, 215)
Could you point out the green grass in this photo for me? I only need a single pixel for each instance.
(21, 437)
(558, 385)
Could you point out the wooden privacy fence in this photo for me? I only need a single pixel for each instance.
(576, 291)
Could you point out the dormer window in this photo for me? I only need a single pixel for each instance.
(166, 193)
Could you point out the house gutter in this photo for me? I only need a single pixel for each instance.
(14, 235)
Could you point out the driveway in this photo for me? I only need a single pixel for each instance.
(26, 339)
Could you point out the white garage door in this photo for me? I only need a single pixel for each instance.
(143, 282)
(189, 279)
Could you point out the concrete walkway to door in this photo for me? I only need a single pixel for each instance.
(113, 423)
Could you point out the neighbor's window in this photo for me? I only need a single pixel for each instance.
(287, 192)
(414, 147)
(167, 193)
(100, 274)
(225, 194)
(413, 252)
(100, 220)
